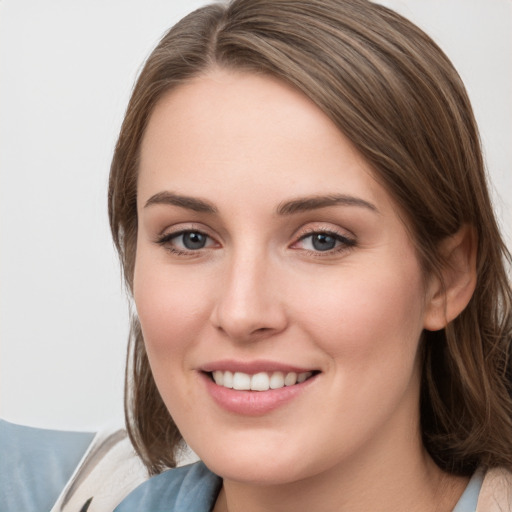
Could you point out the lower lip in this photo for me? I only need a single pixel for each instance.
(253, 403)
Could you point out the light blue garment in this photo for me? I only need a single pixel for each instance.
(35, 465)
(469, 498)
(192, 488)
(195, 488)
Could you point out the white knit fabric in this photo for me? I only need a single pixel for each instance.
(108, 472)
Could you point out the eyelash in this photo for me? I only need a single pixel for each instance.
(344, 243)
(165, 240)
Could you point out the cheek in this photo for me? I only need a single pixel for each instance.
(169, 309)
(369, 326)
(369, 315)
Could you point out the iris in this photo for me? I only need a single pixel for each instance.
(194, 240)
(323, 242)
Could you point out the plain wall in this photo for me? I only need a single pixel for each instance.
(66, 71)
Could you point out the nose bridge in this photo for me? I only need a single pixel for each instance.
(248, 305)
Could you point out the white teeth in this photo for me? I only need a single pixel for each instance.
(303, 376)
(290, 379)
(241, 381)
(262, 381)
(218, 377)
(228, 380)
(277, 380)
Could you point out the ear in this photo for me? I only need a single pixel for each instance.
(446, 299)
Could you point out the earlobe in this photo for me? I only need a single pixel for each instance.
(446, 299)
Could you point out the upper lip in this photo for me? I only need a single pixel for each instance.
(252, 367)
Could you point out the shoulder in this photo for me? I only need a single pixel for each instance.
(108, 472)
(35, 465)
(192, 487)
(496, 491)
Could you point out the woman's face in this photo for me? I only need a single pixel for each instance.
(268, 254)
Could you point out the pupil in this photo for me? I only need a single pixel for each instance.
(194, 240)
(323, 242)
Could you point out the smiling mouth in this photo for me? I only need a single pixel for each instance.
(262, 381)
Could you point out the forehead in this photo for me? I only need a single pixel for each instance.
(247, 133)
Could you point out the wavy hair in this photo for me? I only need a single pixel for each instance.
(392, 91)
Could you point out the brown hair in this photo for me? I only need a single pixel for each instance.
(396, 96)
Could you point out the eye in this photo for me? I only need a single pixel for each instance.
(323, 241)
(192, 240)
(186, 241)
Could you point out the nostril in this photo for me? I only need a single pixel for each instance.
(262, 330)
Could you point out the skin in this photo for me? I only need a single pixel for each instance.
(259, 289)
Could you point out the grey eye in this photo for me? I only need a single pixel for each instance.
(194, 240)
(323, 242)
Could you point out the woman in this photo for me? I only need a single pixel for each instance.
(323, 314)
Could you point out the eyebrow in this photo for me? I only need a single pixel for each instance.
(190, 203)
(304, 204)
(301, 204)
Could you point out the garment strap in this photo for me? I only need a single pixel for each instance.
(109, 470)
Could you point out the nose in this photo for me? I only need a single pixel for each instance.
(249, 305)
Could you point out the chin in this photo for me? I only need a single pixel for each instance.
(262, 471)
(261, 463)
